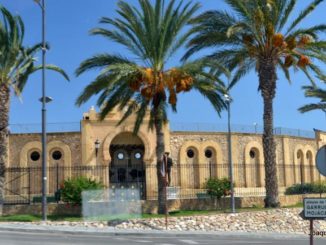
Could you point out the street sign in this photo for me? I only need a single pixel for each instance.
(173, 193)
(321, 160)
(314, 208)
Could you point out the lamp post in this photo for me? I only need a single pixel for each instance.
(97, 146)
(228, 100)
(44, 99)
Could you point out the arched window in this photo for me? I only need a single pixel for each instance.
(300, 168)
(210, 163)
(190, 153)
(35, 156)
(256, 166)
(193, 167)
(310, 166)
(56, 156)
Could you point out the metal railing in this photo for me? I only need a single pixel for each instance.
(238, 128)
(174, 126)
(23, 185)
(19, 128)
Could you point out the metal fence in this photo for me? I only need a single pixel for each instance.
(238, 128)
(183, 127)
(20, 128)
(23, 185)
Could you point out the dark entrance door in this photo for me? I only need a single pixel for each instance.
(127, 168)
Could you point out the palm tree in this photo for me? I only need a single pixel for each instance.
(152, 34)
(259, 35)
(16, 64)
(314, 92)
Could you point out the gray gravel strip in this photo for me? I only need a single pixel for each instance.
(277, 222)
(28, 227)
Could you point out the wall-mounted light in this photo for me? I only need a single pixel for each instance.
(97, 144)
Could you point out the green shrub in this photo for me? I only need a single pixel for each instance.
(71, 190)
(218, 187)
(306, 188)
(320, 187)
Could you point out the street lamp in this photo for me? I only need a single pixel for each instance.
(255, 124)
(228, 101)
(97, 146)
(44, 99)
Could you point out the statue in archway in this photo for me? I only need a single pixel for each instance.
(168, 164)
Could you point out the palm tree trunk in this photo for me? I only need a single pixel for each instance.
(4, 119)
(161, 185)
(267, 85)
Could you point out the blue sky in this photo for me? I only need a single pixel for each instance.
(68, 24)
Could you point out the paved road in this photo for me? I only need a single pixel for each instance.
(38, 238)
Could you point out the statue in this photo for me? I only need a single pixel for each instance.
(168, 163)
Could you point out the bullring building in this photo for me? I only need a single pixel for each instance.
(119, 159)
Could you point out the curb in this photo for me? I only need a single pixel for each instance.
(143, 233)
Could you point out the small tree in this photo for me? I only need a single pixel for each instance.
(218, 187)
(71, 191)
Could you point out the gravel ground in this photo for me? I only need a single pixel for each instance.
(275, 221)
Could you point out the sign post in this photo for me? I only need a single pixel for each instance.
(321, 160)
(164, 172)
(313, 208)
(311, 232)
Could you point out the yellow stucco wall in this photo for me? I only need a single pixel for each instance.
(293, 153)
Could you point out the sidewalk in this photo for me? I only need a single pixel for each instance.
(111, 231)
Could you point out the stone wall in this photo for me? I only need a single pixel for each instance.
(251, 169)
(36, 209)
(240, 141)
(178, 139)
(17, 142)
(151, 206)
(242, 146)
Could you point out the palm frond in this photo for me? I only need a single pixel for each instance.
(17, 62)
(140, 115)
(241, 8)
(212, 92)
(311, 7)
(312, 107)
(285, 14)
(315, 92)
(100, 61)
(52, 67)
(285, 70)
(241, 71)
(312, 31)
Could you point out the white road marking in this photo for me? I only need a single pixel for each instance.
(166, 244)
(243, 242)
(188, 241)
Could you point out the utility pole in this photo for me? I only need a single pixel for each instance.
(228, 100)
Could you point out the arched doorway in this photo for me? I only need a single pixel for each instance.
(127, 166)
(255, 166)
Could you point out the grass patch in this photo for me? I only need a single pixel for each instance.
(297, 205)
(19, 218)
(35, 218)
(202, 212)
(74, 218)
